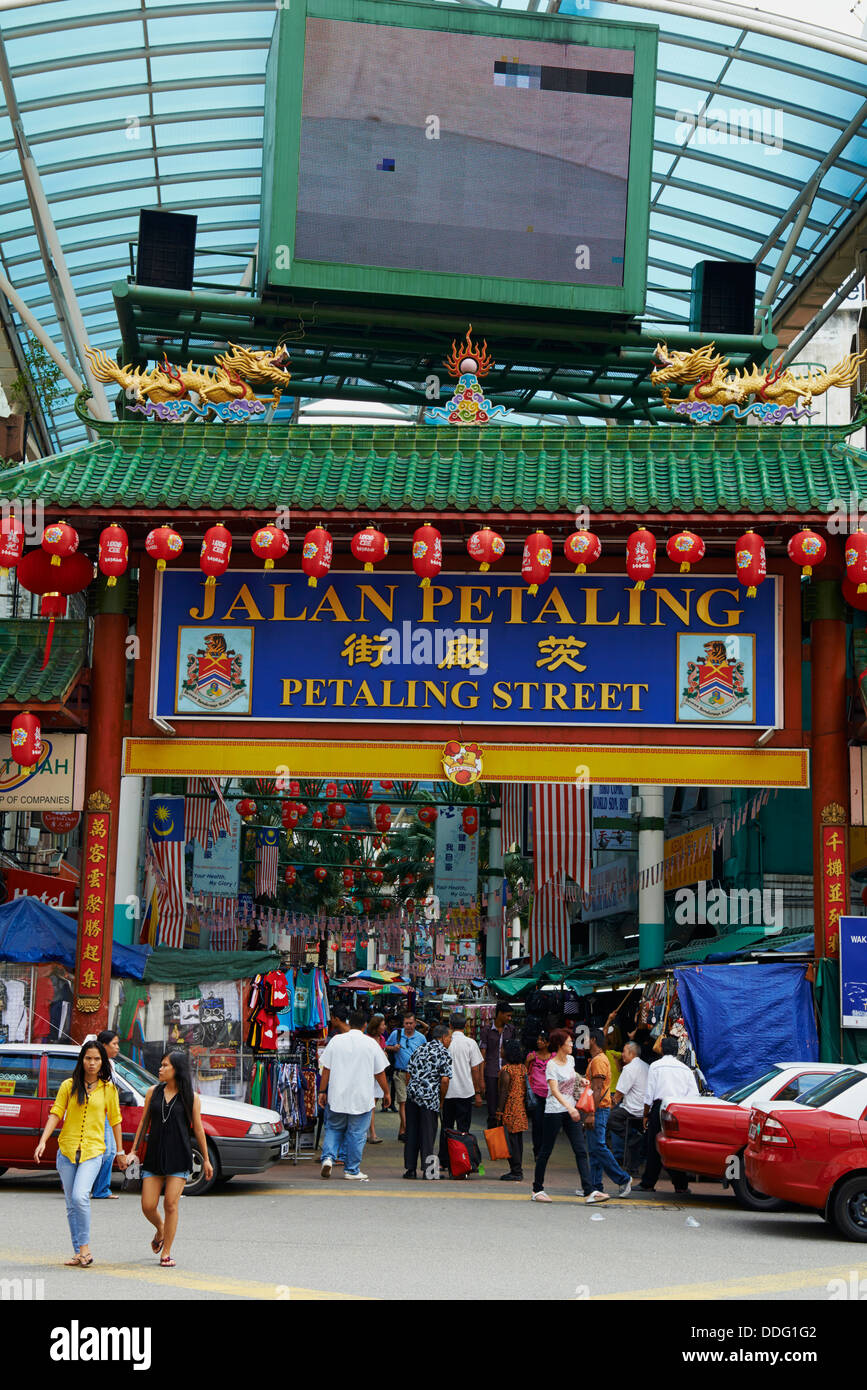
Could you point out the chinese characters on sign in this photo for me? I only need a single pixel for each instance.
(835, 877)
(94, 875)
(457, 860)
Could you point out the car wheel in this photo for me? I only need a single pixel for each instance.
(197, 1185)
(752, 1199)
(849, 1208)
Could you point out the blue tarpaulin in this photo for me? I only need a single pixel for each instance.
(743, 1019)
(33, 934)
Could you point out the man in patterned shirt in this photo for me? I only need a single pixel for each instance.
(430, 1070)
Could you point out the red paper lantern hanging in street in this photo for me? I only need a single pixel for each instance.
(113, 553)
(59, 540)
(470, 820)
(536, 561)
(410, 904)
(386, 786)
(11, 543)
(427, 554)
(370, 546)
(318, 820)
(581, 549)
(852, 596)
(216, 553)
(289, 815)
(246, 808)
(26, 739)
(320, 875)
(856, 560)
(486, 547)
(807, 549)
(376, 877)
(750, 562)
(382, 816)
(163, 544)
(687, 548)
(336, 810)
(428, 814)
(316, 554)
(37, 574)
(270, 543)
(330, 789)
(348, 878)
(641, 556)
(289, 875)
(347, 789)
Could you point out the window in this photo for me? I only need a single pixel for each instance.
(19, 1074)
(800, 1085)
(132, 1084)
(744, 1092)
(831, 1089)
(59, 1068)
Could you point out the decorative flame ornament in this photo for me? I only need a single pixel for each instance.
(163, 544)
(270, 543)
(641, 556)
(536, 561)
(807, 549)
(11, 543)
(750, 562)
(26, 739)
(427, 554)
(246, 808)
(686, 547)
(59, 540)
(113, 554)
(581, 549)
(486, 547)
(370, 546)
(316, 555)
(856, 560)
(468, 363)
(470, 820)
(216, 553)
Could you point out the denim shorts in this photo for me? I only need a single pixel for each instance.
(185, 1176)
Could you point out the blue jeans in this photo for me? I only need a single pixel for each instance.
(78, 1180)
(600, 1154)
(352, 1128)
(102, 1186)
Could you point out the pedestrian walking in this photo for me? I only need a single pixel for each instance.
(172, 1116)
(465, 1087)
(400, 1044)
(512, 1110)
(430, 1071)
(85, 1101)
(348, 1068)
(537, 1062)
(374, 1030)
(561, 1112)
(601, 1157)
(667, 1079)
(110, 1040)
(492, 1042)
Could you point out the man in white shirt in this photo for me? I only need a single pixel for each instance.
(627, 1111)
(667, 1080)
(465, 1084)
(347, 1069)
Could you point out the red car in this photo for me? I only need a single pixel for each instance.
(815, 1153)
(708, 1135)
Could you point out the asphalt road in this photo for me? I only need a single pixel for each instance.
(286, 1234)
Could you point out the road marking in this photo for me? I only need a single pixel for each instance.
(787, 1282)
(423, 1191)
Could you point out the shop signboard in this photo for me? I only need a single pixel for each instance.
(612, 889)
(456, 863)
(93, 956)
(55, 784)
(216, 870)
(684, 653)
(853, 971)
(834, 870)
(610, 809)
(689, 858)
(55, 892)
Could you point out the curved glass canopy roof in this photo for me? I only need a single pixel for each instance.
(760, 150)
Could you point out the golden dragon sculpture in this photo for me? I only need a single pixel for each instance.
(230, 380)
(712, 381)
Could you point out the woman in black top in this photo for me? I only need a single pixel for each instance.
(172, 1114)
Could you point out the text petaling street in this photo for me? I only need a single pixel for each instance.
(342, 693)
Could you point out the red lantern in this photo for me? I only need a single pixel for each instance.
(294, 788)
(367, 904)
(370, 546)
(856, 560)
(852, 596)
(318, 820)
(536, 562)
(348, 878)
(486, 547)
(246, 808)
(59, 540)
(386, 786)
(316, 555)
(581, 549)
(113, 555)
(11, 543)
(641, 556)
(686, 547)
(409, 879)
(330, 789)
(301, 809)
(806, 549)
(336, 810)
(383, 817)
(375, 877)
(270, 543)
(427, 815)
(289, 874)
(320, 875)
(26, 740)
(427, 554)
(289, 815)
(470, 819)
(750, 562)
(37, 573)
(216, 553)
(410, 904)
(163, 544)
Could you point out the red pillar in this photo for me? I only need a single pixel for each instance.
(101, 802)
(830, 756)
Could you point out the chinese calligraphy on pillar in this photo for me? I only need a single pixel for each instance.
(90, 962)
(835, 875)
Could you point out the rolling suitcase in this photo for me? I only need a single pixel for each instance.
(464, 1154)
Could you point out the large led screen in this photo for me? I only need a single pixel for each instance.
(463, 153)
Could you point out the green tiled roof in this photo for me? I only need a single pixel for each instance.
(22, 644)
(656, 468)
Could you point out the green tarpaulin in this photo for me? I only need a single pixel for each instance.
(165, 966)
(836, 1044)
(529, 977)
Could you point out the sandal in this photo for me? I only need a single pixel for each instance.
(157, 1244)
(167, 1262)
(73, 1263)
(374, 1141)
(85, 1262)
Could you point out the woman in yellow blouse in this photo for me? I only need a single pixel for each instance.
(84, 1102)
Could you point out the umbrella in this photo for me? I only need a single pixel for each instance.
(381, 976)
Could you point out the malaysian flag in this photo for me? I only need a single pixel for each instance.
(511, 797)
(166, 834)
(549, 920)
(220, 822)
(267, 841)
(224, 932)
(561, 832)
(197, 810)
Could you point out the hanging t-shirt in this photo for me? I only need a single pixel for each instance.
(305, 999)
(286, 1015)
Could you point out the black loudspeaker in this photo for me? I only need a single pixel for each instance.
(166, 249)
(723, 297)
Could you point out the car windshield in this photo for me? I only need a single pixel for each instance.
(829, 1090)
(743, 1092)
(133, 1074)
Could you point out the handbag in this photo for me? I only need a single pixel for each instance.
(132, 1177)
(585, 1102)
(496, 1142)
(531, 1100)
